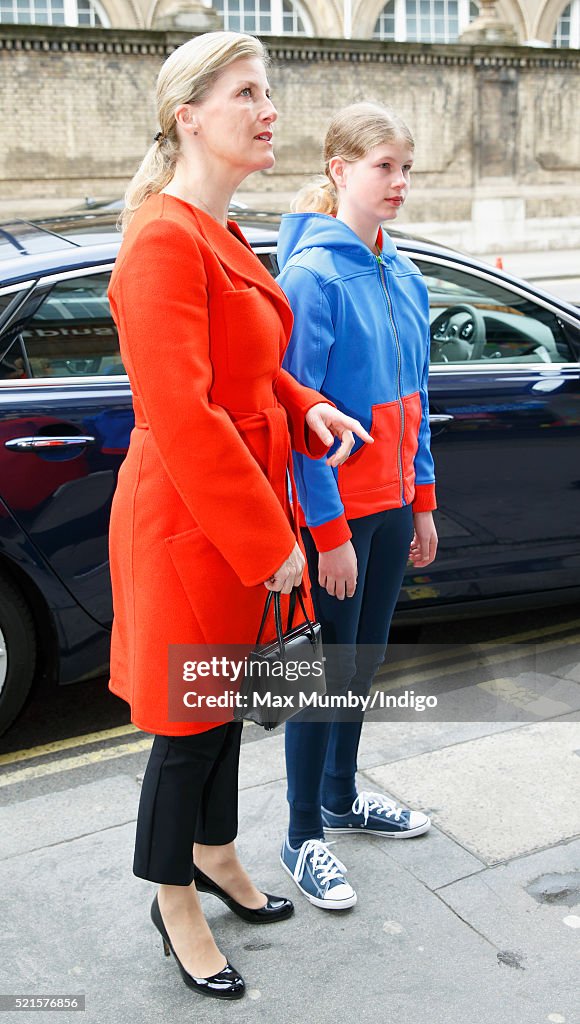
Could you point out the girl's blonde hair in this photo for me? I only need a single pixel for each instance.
(187, 76)
(352, 133)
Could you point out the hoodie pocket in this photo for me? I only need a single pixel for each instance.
(382, 475)
(370, 480)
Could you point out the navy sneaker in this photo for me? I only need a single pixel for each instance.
(379, 816)
(318, 874)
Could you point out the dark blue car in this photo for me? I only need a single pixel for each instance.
(505, 418)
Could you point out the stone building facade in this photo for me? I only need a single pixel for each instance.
(540, 22)
(497, 128)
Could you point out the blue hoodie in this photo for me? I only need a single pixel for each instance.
(361, 338)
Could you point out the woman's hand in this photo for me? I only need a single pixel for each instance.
(328, 423)
(289, 574)
(337, 571)
(424, 544)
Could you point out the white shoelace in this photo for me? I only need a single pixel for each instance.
(325, 865)
(365, 803)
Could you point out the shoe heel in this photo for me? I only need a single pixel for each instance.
(226, 984)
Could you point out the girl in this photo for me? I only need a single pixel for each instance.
(361, 338)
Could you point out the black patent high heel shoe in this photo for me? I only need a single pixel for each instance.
(226, 984)
(277, 908)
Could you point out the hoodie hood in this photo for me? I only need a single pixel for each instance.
(300, 231)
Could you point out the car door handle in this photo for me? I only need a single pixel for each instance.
(30, 444)
(437, 417)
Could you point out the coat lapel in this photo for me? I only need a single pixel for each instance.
(236, 255)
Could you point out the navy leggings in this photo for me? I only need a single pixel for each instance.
(321, 756)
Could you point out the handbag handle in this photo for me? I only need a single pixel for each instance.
(269, 597)
(292, 608)
(295, 590)
(275, 595)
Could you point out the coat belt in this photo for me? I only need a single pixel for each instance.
(271, 424)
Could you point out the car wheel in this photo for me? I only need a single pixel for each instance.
(17, 652)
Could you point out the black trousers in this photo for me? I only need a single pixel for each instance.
(189, 794)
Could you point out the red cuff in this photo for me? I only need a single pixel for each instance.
(331, 534)
(424, 500)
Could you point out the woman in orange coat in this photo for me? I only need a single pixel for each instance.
(200, 521)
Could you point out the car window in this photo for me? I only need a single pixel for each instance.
(268, 260)
(12, 359)
(72, 333)
(5, 301)
(475, 320)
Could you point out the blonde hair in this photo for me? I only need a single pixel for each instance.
(187, 76)
(352, 133)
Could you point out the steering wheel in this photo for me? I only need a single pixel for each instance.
(461, 329)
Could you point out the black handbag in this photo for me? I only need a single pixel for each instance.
(273, 690)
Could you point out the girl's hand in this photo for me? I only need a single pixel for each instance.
(289, 574)
(328, 423)
(424, 544)
(337, 571)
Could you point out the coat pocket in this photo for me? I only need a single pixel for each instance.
(252, 334)
(227, 612)
(210, 584)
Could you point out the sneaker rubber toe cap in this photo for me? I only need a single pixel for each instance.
(418, 820)
(341, 895)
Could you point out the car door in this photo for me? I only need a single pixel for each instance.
(65, 421)
(504, 392)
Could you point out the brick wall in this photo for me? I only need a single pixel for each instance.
(78, 115)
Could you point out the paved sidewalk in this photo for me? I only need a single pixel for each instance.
(477, 921)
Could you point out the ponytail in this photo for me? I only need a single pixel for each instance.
(155, 172)
(319, 196)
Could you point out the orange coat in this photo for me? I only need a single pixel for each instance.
(200, 517)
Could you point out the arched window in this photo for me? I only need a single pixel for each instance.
(567, 32)
(265, 17)
(53, 12)
(424, 21)
(385, 26)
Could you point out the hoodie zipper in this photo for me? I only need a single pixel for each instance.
(381, 266)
